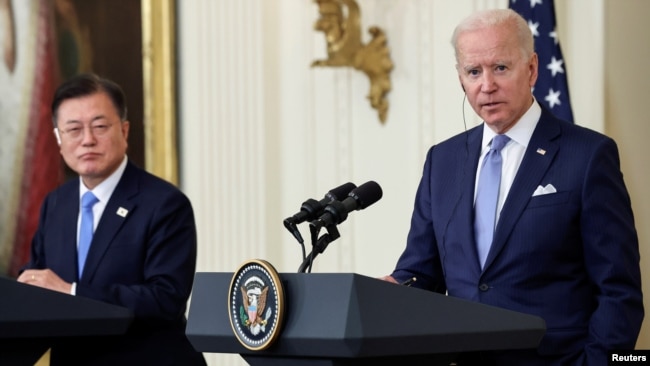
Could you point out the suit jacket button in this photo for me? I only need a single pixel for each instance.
(484, 287)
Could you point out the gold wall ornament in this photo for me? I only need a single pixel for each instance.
(345, 48)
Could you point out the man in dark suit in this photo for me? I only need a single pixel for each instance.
(563, 244)
(142, 253)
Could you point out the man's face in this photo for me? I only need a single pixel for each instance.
(496, 76)
(93, 138)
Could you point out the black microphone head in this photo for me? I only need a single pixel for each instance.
(340, 192)
(366, 194)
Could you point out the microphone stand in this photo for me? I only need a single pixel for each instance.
(293, 229)
(319, 245)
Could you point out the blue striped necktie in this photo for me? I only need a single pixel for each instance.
(88, 200)
(487, 195)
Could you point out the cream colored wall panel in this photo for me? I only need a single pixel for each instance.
(627, 50)
(225, 145)
(581, 27)
(222, 134)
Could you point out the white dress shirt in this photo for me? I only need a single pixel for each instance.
(103, 192)
(512, 154)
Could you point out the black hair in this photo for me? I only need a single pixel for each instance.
(87, 84)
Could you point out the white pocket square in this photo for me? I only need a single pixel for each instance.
(544, 190)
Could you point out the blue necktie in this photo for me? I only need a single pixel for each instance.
(487, 194)
(88, 200)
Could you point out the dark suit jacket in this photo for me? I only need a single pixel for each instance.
(143, 260)
(570, 257)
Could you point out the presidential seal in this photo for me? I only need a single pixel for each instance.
(256, 304)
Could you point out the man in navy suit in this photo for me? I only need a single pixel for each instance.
(564, 245)
(143, 251)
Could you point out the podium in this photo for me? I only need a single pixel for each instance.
(338, 319)
(32, 319)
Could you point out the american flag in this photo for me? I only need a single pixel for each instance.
(551, 89)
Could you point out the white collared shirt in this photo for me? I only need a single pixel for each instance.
(103, 192)
(512, 154)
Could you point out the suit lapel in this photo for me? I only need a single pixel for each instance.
(117, 211)
(460, 222)
(67, 216)
(539, 155)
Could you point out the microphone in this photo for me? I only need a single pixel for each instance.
(312, 209)
(358, 199)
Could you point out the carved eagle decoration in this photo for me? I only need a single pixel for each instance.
(254, 310)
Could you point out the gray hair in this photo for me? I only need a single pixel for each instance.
(496, 17)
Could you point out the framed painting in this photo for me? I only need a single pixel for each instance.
(159, 69)
(44, 42)
(132, 43)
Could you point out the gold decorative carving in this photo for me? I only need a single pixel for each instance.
(344, 48)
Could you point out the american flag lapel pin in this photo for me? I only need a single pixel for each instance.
(122, 211)
(541, 151)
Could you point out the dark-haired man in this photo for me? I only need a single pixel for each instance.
(117, 234)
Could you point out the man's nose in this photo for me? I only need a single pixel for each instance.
(488, 83)
(87, 136)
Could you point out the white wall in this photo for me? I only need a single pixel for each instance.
(261, 131)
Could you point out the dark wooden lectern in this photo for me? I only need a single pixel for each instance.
(350, 319)
(32, 319)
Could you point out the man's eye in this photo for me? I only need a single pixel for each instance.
(100, 129)
(74, 130)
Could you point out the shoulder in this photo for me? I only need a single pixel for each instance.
(65, 191)
(138, 182)
(463, 138)
(457, 146)
(152, 180)
(582, 141)
(134, 173)
(571, 130)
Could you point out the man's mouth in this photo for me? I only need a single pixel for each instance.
(88, 156)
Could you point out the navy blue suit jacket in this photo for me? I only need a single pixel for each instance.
(570, 257)
(142, 257)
